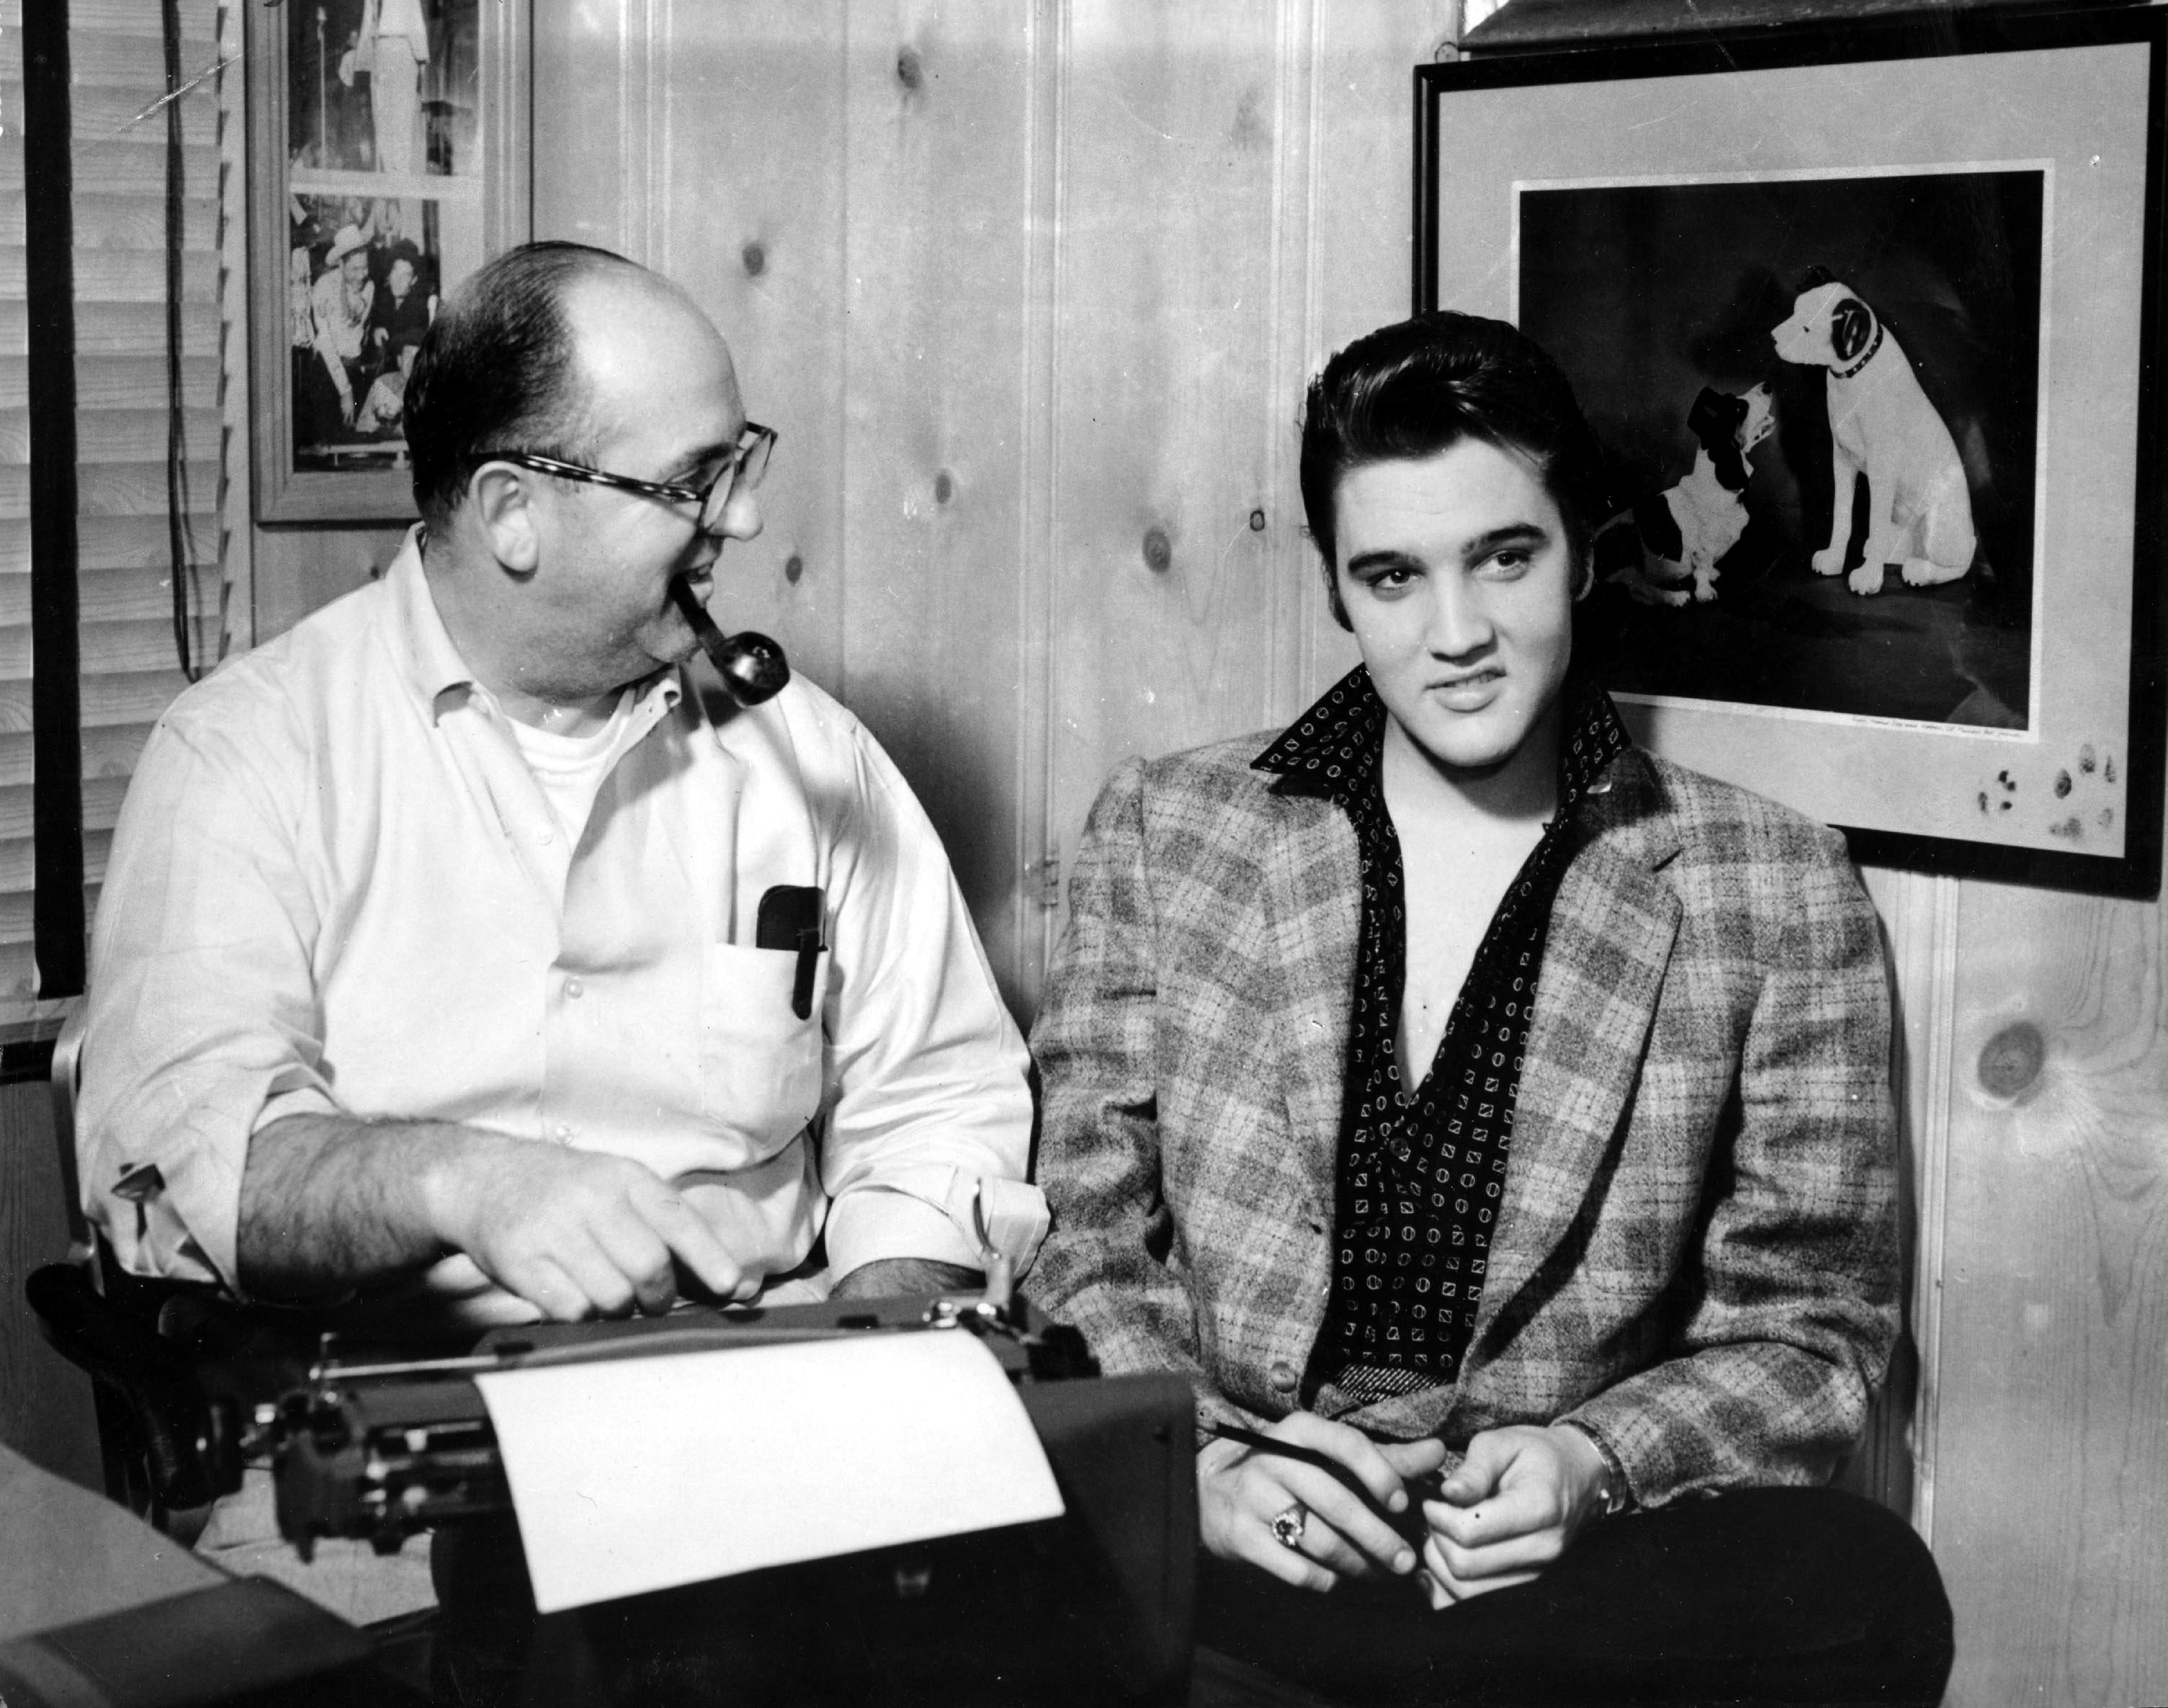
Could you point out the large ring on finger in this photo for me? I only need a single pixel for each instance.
(1287, 1526)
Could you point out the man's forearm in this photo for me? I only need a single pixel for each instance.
(328, 1202)
(894, 1277)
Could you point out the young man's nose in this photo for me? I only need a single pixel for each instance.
(1459, 623)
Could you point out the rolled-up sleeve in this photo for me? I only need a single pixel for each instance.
(203, 1022)
(927, 1129)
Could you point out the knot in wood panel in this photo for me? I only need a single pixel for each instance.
(1159, 550)
(2011, 1060)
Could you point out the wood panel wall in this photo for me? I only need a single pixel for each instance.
(1030, 288)
(1030, 291)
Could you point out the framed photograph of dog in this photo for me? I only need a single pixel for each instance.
(1867, 317)
(387, 156)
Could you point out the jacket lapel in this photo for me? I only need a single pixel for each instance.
(1611, 934)
(1313, 898)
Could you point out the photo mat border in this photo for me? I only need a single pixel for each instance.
(1932, 847)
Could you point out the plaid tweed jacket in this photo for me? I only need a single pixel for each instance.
(1695, 1254)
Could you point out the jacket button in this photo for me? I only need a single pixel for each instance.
(1283, 1376)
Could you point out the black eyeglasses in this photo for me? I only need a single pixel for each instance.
(745, 471)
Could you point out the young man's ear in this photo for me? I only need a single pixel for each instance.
(504, 510)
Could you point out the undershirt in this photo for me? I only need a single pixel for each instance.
(1422, 1171)
(571, 768)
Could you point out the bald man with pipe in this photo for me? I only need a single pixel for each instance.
(480, 947)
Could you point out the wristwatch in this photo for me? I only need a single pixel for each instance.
(1614, 1494)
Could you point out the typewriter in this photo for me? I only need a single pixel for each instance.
(377, 1449)
(1093, 1607)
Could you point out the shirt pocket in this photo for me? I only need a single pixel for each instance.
(760, 1063)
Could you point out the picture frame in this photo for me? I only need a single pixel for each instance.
(388, 156)
(1982, 194)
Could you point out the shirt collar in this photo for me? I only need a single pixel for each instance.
(1333, 748)
(430, 662)
(1334, 744)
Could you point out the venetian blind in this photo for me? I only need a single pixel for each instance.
(125, 414)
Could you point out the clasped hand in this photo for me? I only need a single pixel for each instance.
(1508, 1510)
(1240, 1490)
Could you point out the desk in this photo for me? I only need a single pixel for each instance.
(99, 1610)
(72, 1555)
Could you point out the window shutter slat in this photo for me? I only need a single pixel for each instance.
(119, 383)
(133, 698)
(121, 222)
(119, 434)
(138, 489)
(111, 115)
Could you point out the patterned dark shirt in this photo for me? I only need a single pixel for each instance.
(1422, 1169)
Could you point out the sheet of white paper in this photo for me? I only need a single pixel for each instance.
(633, 1474)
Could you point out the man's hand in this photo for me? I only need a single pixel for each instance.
(577, 1233)
(1519, 1498)
(1240, 1490)
(329, 1204)
(888, 1278)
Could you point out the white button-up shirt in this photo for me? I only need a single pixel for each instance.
(336, 888)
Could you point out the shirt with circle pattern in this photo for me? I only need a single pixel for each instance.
(1422, 1172)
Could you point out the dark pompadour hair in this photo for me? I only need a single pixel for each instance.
(498, 370)
(1421, 386)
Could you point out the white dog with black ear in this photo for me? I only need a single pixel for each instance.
(1882, 426)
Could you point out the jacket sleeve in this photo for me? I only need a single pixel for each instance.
(1110, 1265)
(1787, 1322)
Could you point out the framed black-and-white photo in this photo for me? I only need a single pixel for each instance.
(1867, 320)
(387, 157)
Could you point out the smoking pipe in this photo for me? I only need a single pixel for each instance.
(752, 666)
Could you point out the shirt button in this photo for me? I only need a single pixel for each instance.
(1284, 1376)
(544, 837)
(564, 1134)
(573, 987)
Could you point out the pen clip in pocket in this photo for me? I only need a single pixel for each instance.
(790, 919)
